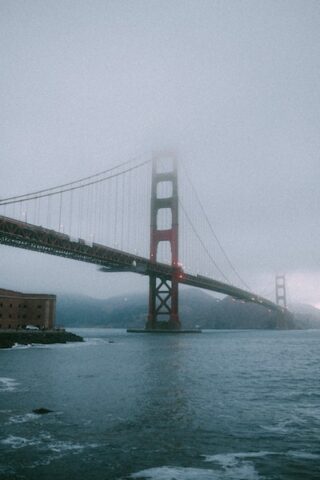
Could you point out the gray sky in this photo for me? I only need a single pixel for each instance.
(231, 86)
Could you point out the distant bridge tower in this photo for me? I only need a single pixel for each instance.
(281, 294)
(163, 291)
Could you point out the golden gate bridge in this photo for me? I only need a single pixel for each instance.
(103, 219)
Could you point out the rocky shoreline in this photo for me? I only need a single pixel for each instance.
(9, 338)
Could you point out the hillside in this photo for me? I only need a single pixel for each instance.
(197, 308)
(306, 316)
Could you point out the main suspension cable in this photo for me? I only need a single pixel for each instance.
(212, 230)
(40, 194)
(62, 186)
(203, 245)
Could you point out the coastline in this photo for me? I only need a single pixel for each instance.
(9, 338)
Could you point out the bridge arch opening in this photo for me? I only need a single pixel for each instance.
(164, 252)
(164, 189)
(164, 219)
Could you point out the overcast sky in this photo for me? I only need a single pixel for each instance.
(231, 86)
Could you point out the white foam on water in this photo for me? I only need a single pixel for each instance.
(176, 473)
(58, 450)
(51, 346)
(64, 447)
(23, 418)
(244, 471)
(18, 346)
(8, 384)
(231, 459)
(239, 465)
(45, 441)
(19, 442)
(88, 342)
(50, 448)
(96, 340)
(303, 455)
(281, 429)
(286, 425)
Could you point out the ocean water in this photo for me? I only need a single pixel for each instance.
(230, 405)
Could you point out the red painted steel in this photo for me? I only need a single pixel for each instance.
(164, 292)
(32, 237)
(281, 295)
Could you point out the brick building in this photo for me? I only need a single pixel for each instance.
(17, 310)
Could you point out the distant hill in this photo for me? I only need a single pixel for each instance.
(306, 316)
(197, 308)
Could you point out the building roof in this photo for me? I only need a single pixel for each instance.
(12, 293)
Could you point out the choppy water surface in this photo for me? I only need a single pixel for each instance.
(241, 405)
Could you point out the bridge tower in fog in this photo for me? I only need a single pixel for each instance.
(105, 223)
(281, 293)
(163, 292)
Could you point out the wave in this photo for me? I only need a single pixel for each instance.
(227, 460)
(88, 342)
(49, 448)
(20, 442)
(8, 384)
(303, 455)
(244, 472)
(27, 417)
(59, 446)
(288, 424)
(19, 346)
(58, 449)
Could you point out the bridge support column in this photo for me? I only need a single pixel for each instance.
(281, 300)
(163, 291)
(281, 294)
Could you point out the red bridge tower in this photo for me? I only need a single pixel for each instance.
(163, 291)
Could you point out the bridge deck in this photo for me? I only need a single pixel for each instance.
(32, 237)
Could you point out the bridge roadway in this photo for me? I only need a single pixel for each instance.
(32, 237)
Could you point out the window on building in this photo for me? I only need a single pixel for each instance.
(9, 326)
(24, 316)
(24, 306)
(10, 305)
(39, 316)
(1, 304)
(10, 316)
(39, 306)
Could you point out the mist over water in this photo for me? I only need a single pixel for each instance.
(220, 405)
(231, 87)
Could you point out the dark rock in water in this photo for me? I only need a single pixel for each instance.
(42, 411)
(24, 337)
(6, 342)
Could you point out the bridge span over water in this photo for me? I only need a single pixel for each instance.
(165, 276)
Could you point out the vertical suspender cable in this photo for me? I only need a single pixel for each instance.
(60, 212)
(116, 214)
(70, 212)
